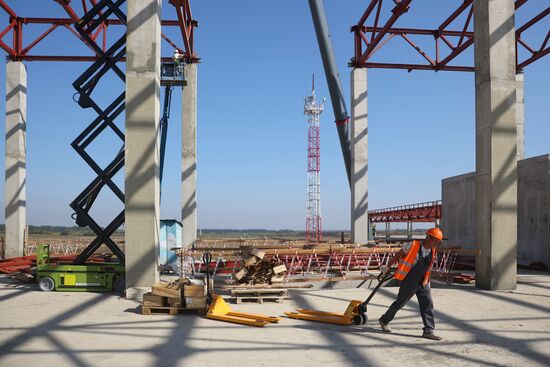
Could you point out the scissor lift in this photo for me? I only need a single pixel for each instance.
(82, 275)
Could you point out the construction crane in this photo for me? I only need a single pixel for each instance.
(333, 80)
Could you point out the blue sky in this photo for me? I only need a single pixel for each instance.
(257, 61)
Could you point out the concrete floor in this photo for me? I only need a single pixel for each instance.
(83, 329)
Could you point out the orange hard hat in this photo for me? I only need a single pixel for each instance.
(435, 233)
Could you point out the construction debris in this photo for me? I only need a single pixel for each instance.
(174, 297)
(260, 270)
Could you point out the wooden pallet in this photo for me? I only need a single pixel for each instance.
(259, 299)
(259, 295)
(150, 310)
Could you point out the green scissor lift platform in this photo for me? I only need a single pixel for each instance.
(102, 277)
(108, 276)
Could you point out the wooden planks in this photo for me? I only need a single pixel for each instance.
(172, 298)
(151, 310)
(259, 295)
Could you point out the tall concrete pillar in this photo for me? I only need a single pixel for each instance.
(496, 141)
(359, 157)
(189, 157)
(142, 186)
(16, 160)
(520, 115)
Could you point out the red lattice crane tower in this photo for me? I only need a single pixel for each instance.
(313, 110)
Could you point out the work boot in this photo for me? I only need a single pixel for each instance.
(430, 335)
(385, 327)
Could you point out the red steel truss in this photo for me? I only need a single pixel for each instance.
(369, 39)
(315, 265)
(19, 47)
(423, 212)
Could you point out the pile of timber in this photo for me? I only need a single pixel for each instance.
(260, 270)
(25, 264)
(174, 297)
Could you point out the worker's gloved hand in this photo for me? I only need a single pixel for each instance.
(384, 270)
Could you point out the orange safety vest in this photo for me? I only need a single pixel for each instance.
(407, 263)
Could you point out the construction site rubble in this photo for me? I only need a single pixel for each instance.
(258, 269)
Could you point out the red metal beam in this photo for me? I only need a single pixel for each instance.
(365, 47)
(68, 21)
(65, 4)
(16, 25)
(69, 58)
(541, 51)
(421, 212)
(7, 9)
(455, 14)
(187, 25)
(400, 8)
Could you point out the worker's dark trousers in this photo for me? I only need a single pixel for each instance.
(424, 295)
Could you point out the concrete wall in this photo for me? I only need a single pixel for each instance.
(458, 210)
(534, 210)
(458, 200)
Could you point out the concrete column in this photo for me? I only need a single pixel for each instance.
(359, 157)
(16, 160)
(142, 186)
(496, 140)
(189, 157)
(520, 116)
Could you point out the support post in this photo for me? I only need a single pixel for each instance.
(359, 157)
(520, 115)
(189, 158)
(16, 160)
(496, 142)
(142, 146)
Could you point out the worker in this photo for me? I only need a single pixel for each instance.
(413, 271)
(178, 62)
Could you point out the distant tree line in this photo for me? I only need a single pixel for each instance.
(85, 231)
(56, 230)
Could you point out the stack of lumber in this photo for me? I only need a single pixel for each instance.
(174, 297)
(259, 270)
(25, 263)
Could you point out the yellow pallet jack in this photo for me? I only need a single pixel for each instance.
(329, 317)
(218, 309)
(355, 314)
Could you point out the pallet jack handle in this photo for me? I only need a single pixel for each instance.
(207, 259)
(381, 280)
